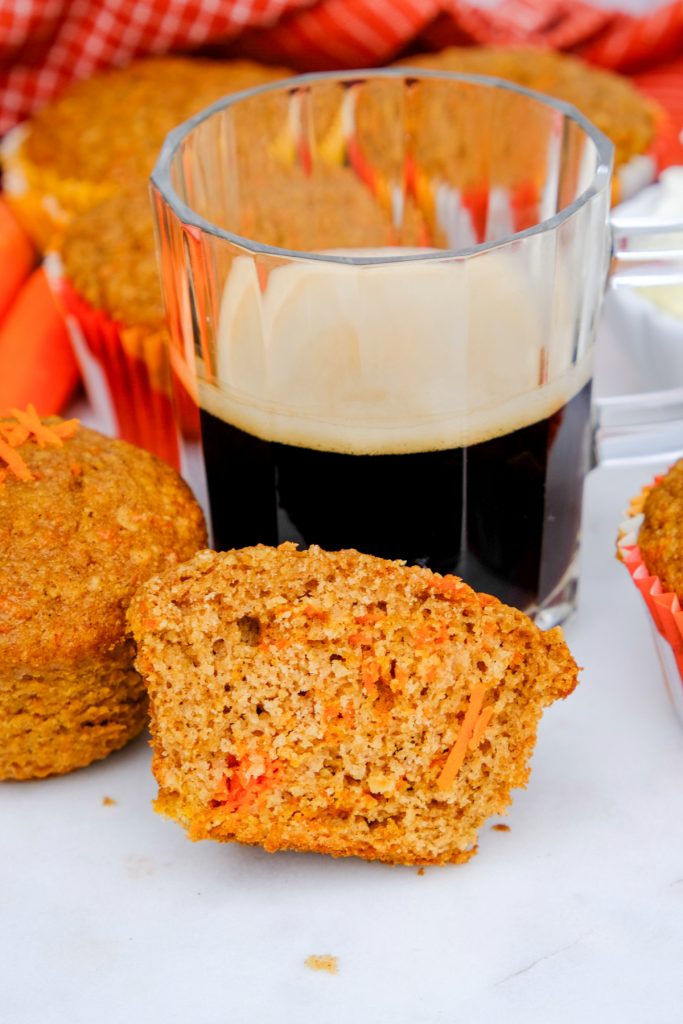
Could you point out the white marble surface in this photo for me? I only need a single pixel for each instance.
(108, 914)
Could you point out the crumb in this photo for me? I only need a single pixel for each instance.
(107, 801)
(500, 828)
(323, 963)
(420, 871)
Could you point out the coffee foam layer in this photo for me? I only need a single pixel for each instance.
(403, 437)
(388, 359)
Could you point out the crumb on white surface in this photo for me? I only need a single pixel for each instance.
(326, 962)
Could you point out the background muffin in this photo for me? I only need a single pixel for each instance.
(462, 166)
(609, 100)
(80, 168)
(107, 283)
(650, 544)
(84, 520)
(103, 134)
(660, 537)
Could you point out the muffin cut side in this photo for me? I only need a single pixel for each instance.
(339, 703)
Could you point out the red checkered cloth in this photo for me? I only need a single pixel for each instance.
(46, 43)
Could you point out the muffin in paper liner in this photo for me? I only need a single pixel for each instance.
(102, 134)
(124, 368)
(666, 614)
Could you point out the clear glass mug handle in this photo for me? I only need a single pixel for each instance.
(646, 253)
(646, 424)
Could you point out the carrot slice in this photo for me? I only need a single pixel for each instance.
(17, 257)
(37, 363)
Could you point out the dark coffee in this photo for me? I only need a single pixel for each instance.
(504, 513)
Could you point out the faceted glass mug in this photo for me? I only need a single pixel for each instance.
(382, 290)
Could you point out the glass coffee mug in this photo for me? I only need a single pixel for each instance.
(382, 291)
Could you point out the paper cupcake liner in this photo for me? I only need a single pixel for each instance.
(665, 611)
(125, 372)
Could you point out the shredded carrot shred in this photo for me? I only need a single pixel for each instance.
(66, 429)
(26, 425)
(400, 675)
(430, 636)
(242, 789)
(459, 749)
(15, 462)
(370, 674)
(337, 711)
(480, 726)
(431, 673)
(30, 419)
(450, 586)
(311, 612)
(14, 433)
(370, 617)
(331, 711)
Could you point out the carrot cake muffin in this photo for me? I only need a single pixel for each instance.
(339, 703)
(109, 256)
(84, 520)
(103, 134)
(108, 285)
(399, 134)
(660, 537)
(608, 100)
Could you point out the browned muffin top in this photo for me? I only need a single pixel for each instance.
(83, 521)
(111, 126)
(661, 536)
(109, 256)
(607, 99)
(330, 209)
